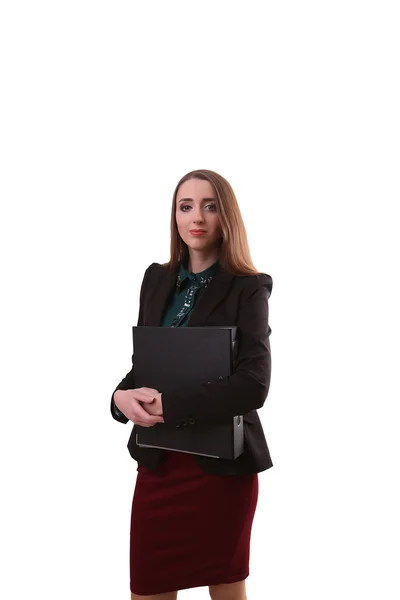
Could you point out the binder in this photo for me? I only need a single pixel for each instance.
(178, 360)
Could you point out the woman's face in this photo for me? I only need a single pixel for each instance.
(197, 208)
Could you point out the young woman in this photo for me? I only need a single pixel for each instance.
(192, 515)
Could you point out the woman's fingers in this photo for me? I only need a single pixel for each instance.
(144, 394)
(131, 406)
(146, 424)
(143, 424)
(148, 393)
(144, 417)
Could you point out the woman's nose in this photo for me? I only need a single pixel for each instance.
(198, 217)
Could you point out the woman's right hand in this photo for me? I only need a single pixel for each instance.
(128, 402)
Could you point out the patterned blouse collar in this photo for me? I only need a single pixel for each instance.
(202, 279)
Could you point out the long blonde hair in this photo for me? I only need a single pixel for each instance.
(234, 252)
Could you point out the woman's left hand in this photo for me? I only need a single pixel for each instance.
(153, 408)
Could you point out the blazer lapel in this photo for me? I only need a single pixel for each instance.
(164, 286)
(157, 303)
(214, 293)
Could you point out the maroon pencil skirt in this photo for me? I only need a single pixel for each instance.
(189, 528)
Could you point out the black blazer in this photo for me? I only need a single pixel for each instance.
(228, 300)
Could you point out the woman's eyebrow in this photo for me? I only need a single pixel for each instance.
(191, 199)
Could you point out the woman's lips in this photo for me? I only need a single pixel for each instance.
(194, 232)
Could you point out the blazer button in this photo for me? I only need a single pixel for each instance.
(220, 377)
(184, 422)
(191, 421)
(208, 382)
(177, 423)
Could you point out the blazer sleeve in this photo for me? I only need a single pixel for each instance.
(247, 388)
(128, 382)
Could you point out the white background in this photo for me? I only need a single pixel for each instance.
(104, 106)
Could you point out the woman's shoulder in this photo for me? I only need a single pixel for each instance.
(255, 281)
(153, 266)
(258, 277)
(157, 269)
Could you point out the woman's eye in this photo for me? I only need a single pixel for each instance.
(213, 206)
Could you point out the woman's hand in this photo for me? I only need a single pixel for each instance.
(155, 407)
(134, 403)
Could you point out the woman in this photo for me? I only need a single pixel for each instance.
(192, 515)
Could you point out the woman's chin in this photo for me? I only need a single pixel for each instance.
(200, 245)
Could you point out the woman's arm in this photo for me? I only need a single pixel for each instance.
(248, 387)
(128, 382)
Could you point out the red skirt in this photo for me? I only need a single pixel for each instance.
(189, 528)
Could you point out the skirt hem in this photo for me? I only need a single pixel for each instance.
(187, 585)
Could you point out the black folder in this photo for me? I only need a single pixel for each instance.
(178, 360)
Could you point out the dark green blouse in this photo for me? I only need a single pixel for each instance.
(189, 288)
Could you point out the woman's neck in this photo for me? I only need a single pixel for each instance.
(196, 263)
